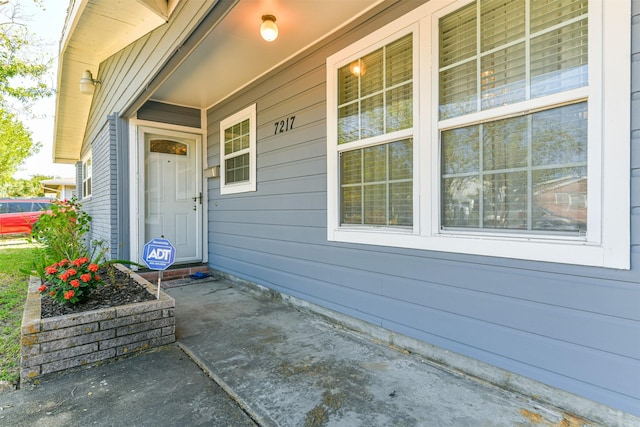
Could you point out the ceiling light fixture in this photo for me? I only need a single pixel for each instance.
(269, 29)
(88, 83)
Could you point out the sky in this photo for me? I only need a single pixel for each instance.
(47, 25)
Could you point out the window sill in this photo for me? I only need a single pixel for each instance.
(576, 251)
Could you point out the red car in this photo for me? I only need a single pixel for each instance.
(17, 216)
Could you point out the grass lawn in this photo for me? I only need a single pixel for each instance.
(13, 293)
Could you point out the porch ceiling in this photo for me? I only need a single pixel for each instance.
(234, 54)
(230, 56)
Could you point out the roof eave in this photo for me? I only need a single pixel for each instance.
(94, 30)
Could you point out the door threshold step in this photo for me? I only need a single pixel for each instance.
(177, 272)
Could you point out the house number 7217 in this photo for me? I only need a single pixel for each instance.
(284, 125)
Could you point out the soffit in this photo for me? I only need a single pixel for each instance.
(93, 31)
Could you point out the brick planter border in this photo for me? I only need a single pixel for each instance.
(58, 343)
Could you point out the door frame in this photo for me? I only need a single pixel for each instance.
(137, 129)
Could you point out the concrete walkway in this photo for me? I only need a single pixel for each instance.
(290, 368)
(279, 366)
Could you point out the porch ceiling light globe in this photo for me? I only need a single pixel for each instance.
(269, 29)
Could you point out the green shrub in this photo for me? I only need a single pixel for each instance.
(62, 231)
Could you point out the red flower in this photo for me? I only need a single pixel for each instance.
(51, 269)
(93, 267)
(78, 262)
(85, 277)
(52, 293)
(71, 271)
(64, 276)
(75, 283)
(63, 262)
(42, 288)
(69, 294)
(96, 277)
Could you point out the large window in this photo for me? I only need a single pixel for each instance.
(501, 172)
(238, 152)
(480, 127)
(375, 135)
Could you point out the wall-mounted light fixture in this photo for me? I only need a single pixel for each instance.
(269, 29)
(88, 83)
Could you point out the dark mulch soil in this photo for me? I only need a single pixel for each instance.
(124, 291)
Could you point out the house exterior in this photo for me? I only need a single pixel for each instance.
(60, 188)
(457, 177)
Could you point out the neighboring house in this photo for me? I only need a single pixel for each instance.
(386, 160)
(59, 188)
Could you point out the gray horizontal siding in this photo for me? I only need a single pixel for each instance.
(167, 113)
(573, 327)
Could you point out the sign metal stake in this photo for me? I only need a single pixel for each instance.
(159, 280)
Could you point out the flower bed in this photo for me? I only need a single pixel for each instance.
(62, 342)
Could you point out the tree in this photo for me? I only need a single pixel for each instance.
(24, 187)
(22, 81)
(16, 143)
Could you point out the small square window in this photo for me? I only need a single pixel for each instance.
(238, 152)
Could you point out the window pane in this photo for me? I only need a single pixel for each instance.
(399, 61)
(351, 202)
(547, 13)
(347, 85)
(167, 146)
(503, 77)
(348, 123)
(375, 163)
(458, 90)
(460, 152)
(371, 73)
(236, 137)
(460, 205)
(237, 169)
(382, 194)
(400, 108)
(351, 167)
(401, 203)
(375, 204)
(458, 35)
(560, 199)
(376, 92)
(505, 200)
(560, 135)
(502, 22)
(401, 160)
(372, 116)
(559, 60)
(540, 157)
(505, 144)
(557, 49)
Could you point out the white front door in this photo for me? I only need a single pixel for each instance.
(172, 193)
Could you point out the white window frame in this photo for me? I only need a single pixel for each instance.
(87, 174)
(607, 243)
(245, 186)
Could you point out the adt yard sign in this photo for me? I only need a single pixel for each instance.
(158, 254)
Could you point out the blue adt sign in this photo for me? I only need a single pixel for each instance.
(158, 254)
